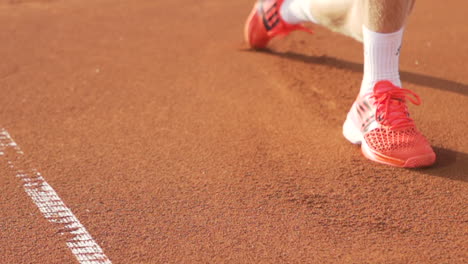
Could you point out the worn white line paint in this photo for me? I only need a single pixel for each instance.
(80, 242)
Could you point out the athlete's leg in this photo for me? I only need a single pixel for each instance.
(378, 23)
(382, 32)
(379, 117)
(348, 16)
(386, 16)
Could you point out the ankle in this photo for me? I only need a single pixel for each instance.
(296, 11)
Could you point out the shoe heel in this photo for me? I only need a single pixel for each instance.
(351, 132)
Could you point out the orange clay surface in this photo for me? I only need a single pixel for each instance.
(172, 142)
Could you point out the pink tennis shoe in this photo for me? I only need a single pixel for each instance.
(380, 122)
(265, 22)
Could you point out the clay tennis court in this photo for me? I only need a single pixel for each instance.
(164, 139)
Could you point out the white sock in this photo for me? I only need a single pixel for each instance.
(296, 11)
(381, 58)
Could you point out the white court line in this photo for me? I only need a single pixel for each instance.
(79, 241)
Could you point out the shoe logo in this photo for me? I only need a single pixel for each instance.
(273, 19)
(363, 110)
(365, 126)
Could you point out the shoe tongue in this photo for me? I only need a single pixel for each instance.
(395, 109)
(384, 86)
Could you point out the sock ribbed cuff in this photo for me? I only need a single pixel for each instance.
(381, 57)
